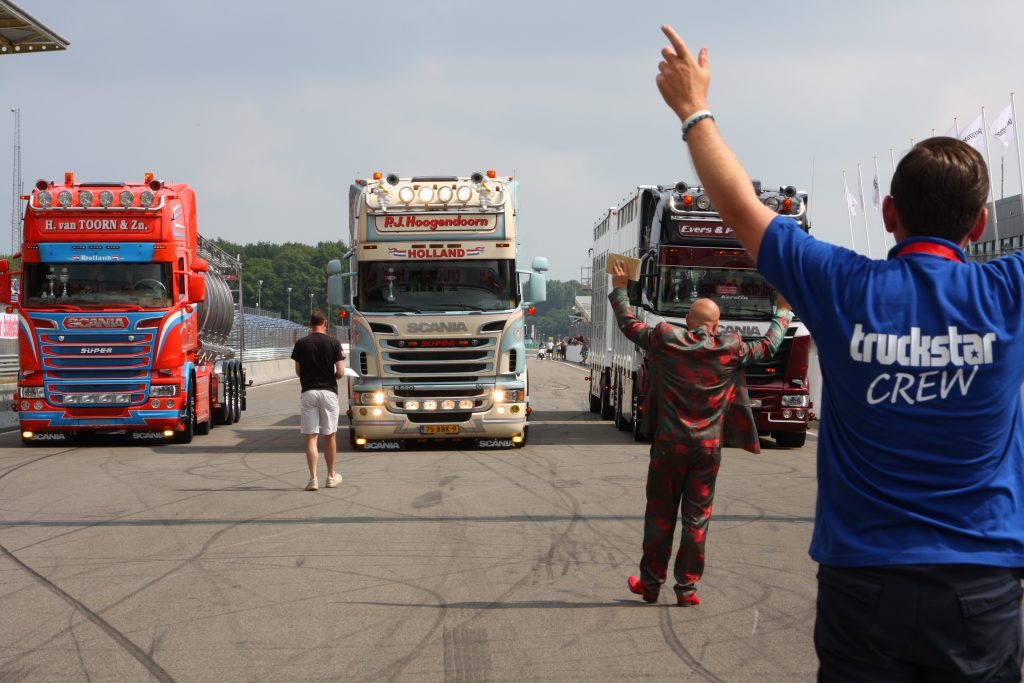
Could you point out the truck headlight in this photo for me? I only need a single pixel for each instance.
(32, 392)
(798, 401)
(507, 395)
(412, 405)
(378, 397)
(163, 390)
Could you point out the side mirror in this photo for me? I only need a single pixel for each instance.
(334, 267)
(5, 288)
(196, 287)
(199, 265)
(540, 263)
(339, 290)
(538, 288)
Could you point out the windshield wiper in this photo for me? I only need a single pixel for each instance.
(467, 307)
(62, 307)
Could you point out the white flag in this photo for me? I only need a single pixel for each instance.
(1002, 127)
(876, 195)
(851, 201)
(951, 133)
(973, 135)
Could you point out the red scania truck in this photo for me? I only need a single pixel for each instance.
(124, 315)
(687, 252)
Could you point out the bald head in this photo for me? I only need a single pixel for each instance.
(703, 313)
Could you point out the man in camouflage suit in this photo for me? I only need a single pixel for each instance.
(695, 380)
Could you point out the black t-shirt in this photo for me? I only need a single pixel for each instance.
(316, 354)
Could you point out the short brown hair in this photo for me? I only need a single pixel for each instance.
(939, 188)
(317, 318)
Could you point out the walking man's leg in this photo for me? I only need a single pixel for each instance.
(329, 420)
(311, 459)
(663, 492)
(698, 495)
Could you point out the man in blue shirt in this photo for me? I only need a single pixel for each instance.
(919, 527)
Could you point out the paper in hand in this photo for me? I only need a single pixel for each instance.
(632, 265)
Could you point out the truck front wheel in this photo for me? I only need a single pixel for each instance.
(185, 435)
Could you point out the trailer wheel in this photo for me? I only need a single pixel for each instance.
(595, 403)
(185, 435)
(236, 394)
(607, 409)
(222, 415)
(620, 420)
(790, 439)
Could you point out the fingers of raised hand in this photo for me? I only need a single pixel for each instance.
(677, 42)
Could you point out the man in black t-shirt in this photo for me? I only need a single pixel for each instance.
(318, 365)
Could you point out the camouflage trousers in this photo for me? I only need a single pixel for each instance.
(680, 483)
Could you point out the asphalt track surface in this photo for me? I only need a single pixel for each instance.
(208, 562)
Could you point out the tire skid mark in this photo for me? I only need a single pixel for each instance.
(126, 644)
(680, 650)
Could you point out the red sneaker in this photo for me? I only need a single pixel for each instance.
(636, 586)
(688, 600)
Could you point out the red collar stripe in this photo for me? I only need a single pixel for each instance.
(930, 248)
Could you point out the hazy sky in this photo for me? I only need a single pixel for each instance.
(271, 109)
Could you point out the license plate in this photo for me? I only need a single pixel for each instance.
(439, 429)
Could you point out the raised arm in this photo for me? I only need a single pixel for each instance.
(766, 346)
(637, 332)
(683, 82)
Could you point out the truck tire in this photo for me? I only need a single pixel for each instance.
(607, 409)
(638, 434)
(595, 402)
(621, 423)
(526, 437)
(236, 391)
(185, 435)
(222, 415)
(790, 439)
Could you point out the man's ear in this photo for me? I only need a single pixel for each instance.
(890, 217)
(979, 227)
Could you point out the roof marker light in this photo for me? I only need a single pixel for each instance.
(491, 174)
(69, 178)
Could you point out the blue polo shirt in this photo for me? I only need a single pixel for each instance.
(920, 448)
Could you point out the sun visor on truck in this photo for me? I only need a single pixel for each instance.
(82, 253)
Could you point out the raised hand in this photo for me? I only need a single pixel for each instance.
(683, 81)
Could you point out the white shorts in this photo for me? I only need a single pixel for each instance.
(318, 412)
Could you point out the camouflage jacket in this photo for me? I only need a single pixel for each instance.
(696, 381)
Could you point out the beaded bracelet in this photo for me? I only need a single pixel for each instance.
(695, 118)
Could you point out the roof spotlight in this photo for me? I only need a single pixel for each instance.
(444, 194)
(85, 197)
(64, 198)
(106, 198)
(464, 193)
(126, 198)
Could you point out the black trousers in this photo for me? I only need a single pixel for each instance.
(927, 624)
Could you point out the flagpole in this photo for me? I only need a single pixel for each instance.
(860, 185)
(879, 207)
(1016, 139)
(955, 128)
(991, 190)
(892, 158)
(849, 216)
(810, 194)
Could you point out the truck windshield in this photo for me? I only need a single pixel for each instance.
(437, 285)
(97, 284)
(740, 294)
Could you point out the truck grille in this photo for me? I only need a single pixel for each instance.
(104, 362)
(433, 368)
